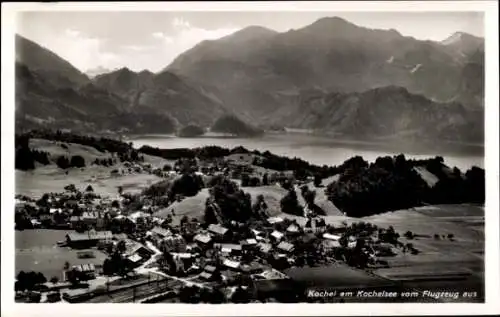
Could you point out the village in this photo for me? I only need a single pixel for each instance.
(241, 262)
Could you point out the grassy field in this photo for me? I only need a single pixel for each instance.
(336, 276)
(193, 207)
(36, 250)
(51, 179)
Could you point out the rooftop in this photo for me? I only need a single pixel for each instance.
(285, 246)
(90, 235)
(218, 229)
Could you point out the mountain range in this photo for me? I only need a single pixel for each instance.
(332, 76)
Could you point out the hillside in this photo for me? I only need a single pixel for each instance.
(164, 93)
(55, 69)
(231, 124)
(383, 113)
(260, 73)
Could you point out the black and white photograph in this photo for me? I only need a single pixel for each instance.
(212, 156)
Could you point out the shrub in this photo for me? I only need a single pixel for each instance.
(78, 161)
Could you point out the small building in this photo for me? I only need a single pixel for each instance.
(136, 253)
(276, 235)
(293, 229)
(229, 248)
(87, 240)
(285, 246)
(265, 248)
(173, 243)
(332, 237)
(206, 276)
(83, 271)
(232, 265)
(218, 231)
(274, 220)
(203, 239)
(158, 234)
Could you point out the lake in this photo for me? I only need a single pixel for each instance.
(321, 150)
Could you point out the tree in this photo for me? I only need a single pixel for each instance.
(409, 235)
(290, 204)
(89, 188)
(265, 180)
(66, 265)
(436, 236)
(240, 295)
(451, 236)
(77, 161)
(121, 247)
(63, 162)
(245, 179)
(317, 180)
(184, 220)
(54, 279)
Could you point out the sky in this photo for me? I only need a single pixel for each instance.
(152, 40)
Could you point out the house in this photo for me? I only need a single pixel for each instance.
(232, 265)
(83, 272)
(159, 233)
(136, 252)
(252, 268)
(286, 246)
(218, 231)
(293, 229)
(229, 248)
(173, 243)
(36, 223)
(87, 240)
(138, 217)
(203, 239)
(332, 237)
(264, 248)
(276, 235)
(206, 276)
(274, 220)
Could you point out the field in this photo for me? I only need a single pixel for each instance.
(336, 276)
(52, 179)
(36, 250)
(193, 207)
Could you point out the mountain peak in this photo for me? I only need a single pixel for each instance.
(458, 37)
(332, 22)
(250, 33)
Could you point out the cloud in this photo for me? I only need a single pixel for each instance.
(82, 51)
(185, 36)
(137, 48)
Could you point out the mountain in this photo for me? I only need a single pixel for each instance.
(164, 93)
(55, 70)
(258, 73)
(50, 92)
(91, 73)
(231, 124)
(463, 44)
(385, 113)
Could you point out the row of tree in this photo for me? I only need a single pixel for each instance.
(391, 183)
